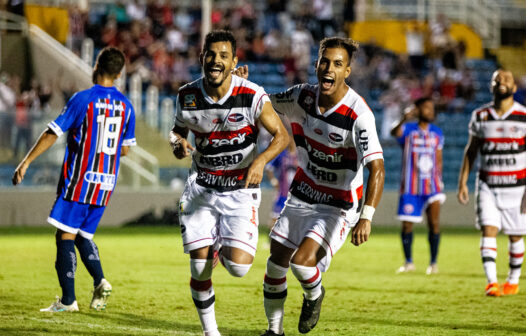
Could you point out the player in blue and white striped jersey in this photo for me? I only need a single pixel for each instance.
(100, 123)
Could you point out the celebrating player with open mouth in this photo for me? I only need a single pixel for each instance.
(219, 206)
(336, 138)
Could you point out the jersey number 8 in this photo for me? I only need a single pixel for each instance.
(110, 135)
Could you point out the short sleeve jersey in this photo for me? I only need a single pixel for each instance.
(99, 121)
(332, 147)
(225, 131)
(502, 165)
(420, 173)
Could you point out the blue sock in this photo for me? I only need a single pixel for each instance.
(434, 240)
(407, 242)
(89, 253)
(66, 265)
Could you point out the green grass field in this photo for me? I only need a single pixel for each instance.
(150, 277)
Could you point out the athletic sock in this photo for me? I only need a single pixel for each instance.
(407, 242)
(488, 252)
(66, 265)
(274, 296)
(434, 241)
(89, 254)
(516, 250)
(310, 279)
(203, 294)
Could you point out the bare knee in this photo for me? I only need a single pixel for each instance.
(433, 226)
(62, 235)
(407, 227)
(236, 261)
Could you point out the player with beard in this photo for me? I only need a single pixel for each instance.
(335, 136)
(497, 132)
(218, 208)
(421, 182)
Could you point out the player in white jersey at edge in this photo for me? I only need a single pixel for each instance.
(335, 135)
(218, 208)
(497, 132)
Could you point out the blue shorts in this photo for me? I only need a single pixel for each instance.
(410, 207)
(76, 218)
(278, 206)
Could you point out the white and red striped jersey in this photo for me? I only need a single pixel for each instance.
(502, 165)
(225, 131)
(333, 147)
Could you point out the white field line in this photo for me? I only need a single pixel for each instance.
(112, 327)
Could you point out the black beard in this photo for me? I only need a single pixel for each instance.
(214, 85)
(427, 120)
(502, 96)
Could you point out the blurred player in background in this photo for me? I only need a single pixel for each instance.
(421, 183)
(335, 136)
(219, 206)
(497, 132)
(101, 125)
(280, 172)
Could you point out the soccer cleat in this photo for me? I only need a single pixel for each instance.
(492, 289)
(510, 289)
(100, 295)
(271, 333)
(405, 268)
(58, 306)
(310, 313)
(432, 269)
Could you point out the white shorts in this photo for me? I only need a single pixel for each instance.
(509, 220)
(327, 225)
(209, 217)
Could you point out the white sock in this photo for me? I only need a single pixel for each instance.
(310, 279)
(516, 251)
(237, 270)
(488, 252)
(274, 295)
(203, 294)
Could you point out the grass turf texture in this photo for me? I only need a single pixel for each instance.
(151, 296)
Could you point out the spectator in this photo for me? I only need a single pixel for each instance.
(77, 32)
(7, 106)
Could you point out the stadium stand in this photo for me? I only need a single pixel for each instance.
(162, 42)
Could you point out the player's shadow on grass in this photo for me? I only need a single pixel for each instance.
(448, 326)
(138, 321)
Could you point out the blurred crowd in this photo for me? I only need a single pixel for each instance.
(162, 39)
(20, 108)
(434, 66)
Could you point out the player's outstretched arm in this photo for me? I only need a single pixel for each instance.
(470, 154)
(180, 146)
(44, 142)
(375, 186)
(272, 123)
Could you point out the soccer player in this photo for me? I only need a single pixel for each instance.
(336, 138)
(497, 132)
(281, 172)
(421, 183)
(219, 206)
(101, 126)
